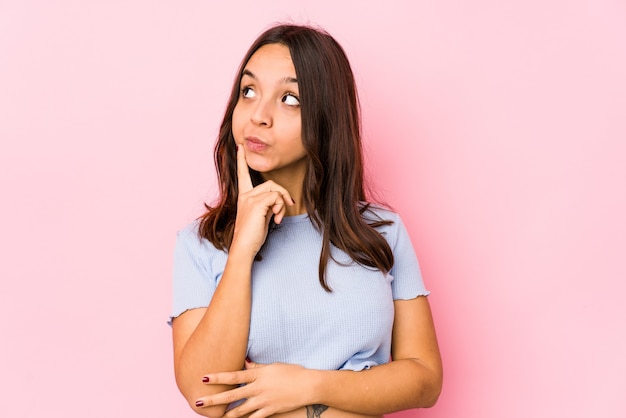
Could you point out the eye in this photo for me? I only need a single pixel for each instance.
(291, 100)
(247, 92)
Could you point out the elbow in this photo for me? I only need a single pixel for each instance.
(427, 398)
(428, 388)
(192, 395)
(431, 392)
(431, 400)
(211, 411)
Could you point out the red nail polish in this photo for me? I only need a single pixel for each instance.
(205, 379)
(236, 147)
(248, 360)
(199, 403)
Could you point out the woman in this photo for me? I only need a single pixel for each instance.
(291, 293)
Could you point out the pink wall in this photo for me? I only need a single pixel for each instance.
(496, 128)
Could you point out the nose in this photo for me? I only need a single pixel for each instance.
(262, 114)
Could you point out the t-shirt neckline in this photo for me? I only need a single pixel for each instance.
(294, 219)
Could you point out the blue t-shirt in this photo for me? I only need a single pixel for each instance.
(293, 319)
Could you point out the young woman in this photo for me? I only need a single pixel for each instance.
(292, 293)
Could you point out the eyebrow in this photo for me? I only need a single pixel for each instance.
(283, 80)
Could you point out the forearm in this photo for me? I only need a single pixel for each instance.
(219, 341)
(399, 385)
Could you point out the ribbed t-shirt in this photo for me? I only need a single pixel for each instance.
(293, 319)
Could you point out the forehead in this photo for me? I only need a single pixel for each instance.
(272, 59)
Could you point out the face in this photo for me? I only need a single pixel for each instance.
(266, 119)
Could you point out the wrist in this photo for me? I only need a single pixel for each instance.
(240, 256)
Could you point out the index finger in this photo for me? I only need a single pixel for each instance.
(229, 378)
(244, 182)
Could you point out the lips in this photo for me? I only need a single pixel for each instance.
(255, 144)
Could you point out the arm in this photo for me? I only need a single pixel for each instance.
(411, 380)
(215, 339)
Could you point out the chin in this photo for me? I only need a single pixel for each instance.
(258, 162)
(259, 168)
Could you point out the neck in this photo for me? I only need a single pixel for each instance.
(297, 209)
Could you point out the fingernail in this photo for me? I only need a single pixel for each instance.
(248, 360)
(199, 403)
(236, 147)
(205, 379)
(294, 202)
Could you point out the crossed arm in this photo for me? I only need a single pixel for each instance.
(411, 380)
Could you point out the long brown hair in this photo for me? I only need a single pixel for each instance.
(333, 189)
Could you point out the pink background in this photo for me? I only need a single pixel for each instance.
(496, 128)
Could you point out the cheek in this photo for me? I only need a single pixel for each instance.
(294, 127)
(296, 133)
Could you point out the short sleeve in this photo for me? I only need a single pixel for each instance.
(194, 279)
(407, 280)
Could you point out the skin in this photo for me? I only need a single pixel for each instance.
(210, 343)
(267, 121)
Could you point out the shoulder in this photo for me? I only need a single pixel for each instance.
(387, 222)
(189, 234)
(196, 255)
(189, 238)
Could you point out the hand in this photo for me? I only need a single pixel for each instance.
(255, 208)
(269, 389)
